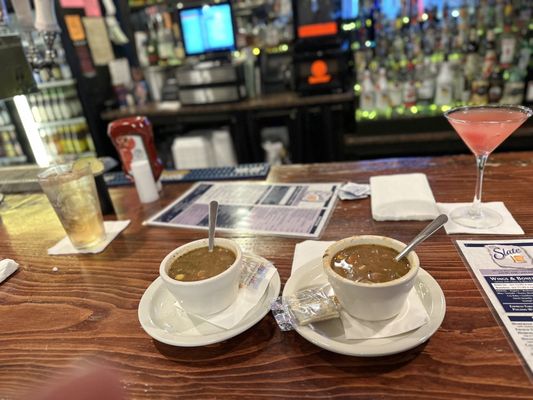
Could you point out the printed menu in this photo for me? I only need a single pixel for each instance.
(504, 269)
(292, 210)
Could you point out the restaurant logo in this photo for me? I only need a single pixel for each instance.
(509, 256)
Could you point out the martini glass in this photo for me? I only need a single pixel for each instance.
(483, 128)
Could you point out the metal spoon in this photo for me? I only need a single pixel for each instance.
(429, 230)
(213, 211)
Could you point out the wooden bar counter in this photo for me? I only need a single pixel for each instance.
(59, 311)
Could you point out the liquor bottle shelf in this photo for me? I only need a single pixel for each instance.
(53, 124)
(56, 84)
(12, 160)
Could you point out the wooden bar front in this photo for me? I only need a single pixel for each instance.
(60, 311)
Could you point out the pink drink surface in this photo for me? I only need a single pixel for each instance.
(484, 129)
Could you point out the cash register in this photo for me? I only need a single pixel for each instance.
(208, 34)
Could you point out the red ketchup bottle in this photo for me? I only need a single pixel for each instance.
(134, 140)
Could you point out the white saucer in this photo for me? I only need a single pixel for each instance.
(330, 334)
(165, 322)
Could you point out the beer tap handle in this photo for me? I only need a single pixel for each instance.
(45, 16)
(24, 14)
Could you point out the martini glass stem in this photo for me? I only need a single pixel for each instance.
(481, 160)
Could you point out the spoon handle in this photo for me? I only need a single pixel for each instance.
(213, 211)
(429, 230)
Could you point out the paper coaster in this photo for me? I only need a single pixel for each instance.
(508, 227)
(413, 315)
(112, 229)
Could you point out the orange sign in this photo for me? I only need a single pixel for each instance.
(75, 27)
(319, 73)
(323, 29)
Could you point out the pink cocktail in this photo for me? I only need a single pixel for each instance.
(483, 128)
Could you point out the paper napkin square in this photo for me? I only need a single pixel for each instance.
(402, 197)
(412, 316)
(255, 277)
(112, 229)
(508, 227)
(7, 267)
(307, 251)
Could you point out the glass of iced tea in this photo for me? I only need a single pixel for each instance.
(72, 193)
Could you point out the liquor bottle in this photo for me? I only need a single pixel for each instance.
(513, 90)
(382, 95)
(367, 100)
(66, 111)
(426, 87)
(409, 87)
(472, 56)
(495, 86)
(55, 105)
(50, 116)
(507, 47)
(395, 91)
(489, 60)
(151, 46)
(480, 91)
(165, 40)
(444, 89)
(34, 107)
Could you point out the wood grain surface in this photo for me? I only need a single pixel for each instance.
(85, 313)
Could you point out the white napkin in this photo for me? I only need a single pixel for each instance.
(307, 251)
(412, 316)
(255, 277)
(402, 197)
(7, 267)
(508, 227)
(112, 229)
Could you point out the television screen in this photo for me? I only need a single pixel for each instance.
(207, 29)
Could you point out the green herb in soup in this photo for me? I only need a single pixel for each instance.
(201, 264)
(369, 263)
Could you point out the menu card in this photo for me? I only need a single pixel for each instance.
(292, 210)
(504, 269)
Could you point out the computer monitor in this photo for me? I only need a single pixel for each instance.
(207, 29)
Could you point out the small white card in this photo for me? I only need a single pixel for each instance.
(508, 227)
(412, 316)
(112, 229)
(255, 277)
(7, 267)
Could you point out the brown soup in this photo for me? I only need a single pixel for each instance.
(199, 264)
(369, 263)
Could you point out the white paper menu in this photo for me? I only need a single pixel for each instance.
(504, 269)
(292, 210)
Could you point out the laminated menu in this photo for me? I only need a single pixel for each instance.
(292, 210)
(504, 270)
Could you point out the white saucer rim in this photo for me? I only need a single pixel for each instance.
(360, 347)
(262, 308)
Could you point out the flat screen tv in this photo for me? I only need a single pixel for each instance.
(207, 29)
